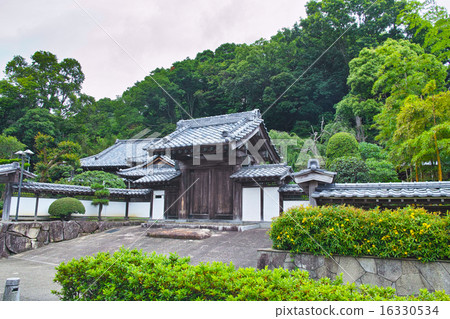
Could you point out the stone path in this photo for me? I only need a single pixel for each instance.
(36, 268)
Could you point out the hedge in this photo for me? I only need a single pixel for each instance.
(134, 275)
(345, 230)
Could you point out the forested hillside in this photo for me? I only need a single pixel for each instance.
(378, 71)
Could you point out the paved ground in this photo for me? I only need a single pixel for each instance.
(36, 268)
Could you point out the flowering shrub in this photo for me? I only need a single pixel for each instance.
(345, 230)
(133, 275)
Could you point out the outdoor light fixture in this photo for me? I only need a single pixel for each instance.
(22, 154)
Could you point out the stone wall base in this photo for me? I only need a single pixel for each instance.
(22, 236)
(407, 275)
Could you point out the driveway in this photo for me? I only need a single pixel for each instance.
(36, 268)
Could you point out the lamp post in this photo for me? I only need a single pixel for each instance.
(22, 154)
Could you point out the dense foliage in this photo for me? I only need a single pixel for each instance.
(344, 230)
(64, 207)
(134, 275)
(90, 178)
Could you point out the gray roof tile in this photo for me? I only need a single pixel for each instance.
(210, 130)
(290, 188)
(262, 171)
(49, 188)
(146, 169)
(384, 190)
(161, 175)
(122, 154)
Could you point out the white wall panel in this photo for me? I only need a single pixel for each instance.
(292, 203)
(251, 204)
(271, 203)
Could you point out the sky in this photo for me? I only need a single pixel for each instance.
(119, 42)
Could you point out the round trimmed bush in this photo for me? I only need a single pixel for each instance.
(342, 144)
(64, 207)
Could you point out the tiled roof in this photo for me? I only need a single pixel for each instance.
(121, 154)
(6, 169)
(49, 188)
(146, 168)
(159, 175)
(262, 171)
(290, 188)
(211, 130)
(384, 190)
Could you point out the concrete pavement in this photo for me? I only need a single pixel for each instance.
(36, 268)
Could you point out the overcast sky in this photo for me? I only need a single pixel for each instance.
(154, 33)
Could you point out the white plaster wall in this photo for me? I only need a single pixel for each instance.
(251, 204)
(158, 205)
(292, 203)
(271, 203)
(114, 209)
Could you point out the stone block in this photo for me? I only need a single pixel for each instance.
(56, 231)
(436, 275)
(34, 230)
(446, 265)
(17, 243)
(263, 260)
(19, 228)
(277, 259)
(309, 262)
(409, 267)
(43, 237)
(3, 250)
(3, 229)
(332, 264)
(36, 244)
(105, 226)
(351, 269)
(373, 279)
(180, 233)
(322, 272)
(45, 226)
(88, 226)
(368, 264)
(71, 230)
(391, 269)
(410, 284)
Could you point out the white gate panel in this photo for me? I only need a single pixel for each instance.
(271, 203)
(158, 205)
(251, 204)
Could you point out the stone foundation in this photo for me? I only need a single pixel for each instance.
(407, 275)
(22, 236)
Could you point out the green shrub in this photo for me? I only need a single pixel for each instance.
(90, 178)
(345, 230)
(64, 207)
(349, 169)
(369, 150)
(381, 171)
(133, 275)
(342, 144)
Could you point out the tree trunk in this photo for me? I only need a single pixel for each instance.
(100, 208)
(359, 129)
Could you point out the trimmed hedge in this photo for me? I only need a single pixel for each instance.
(133, 275)
(64, 207)
(345, 230)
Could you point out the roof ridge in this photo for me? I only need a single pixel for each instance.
(196, 122)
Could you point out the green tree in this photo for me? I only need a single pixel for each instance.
(380, 171)
(369, 150)
(423, 132)
(101, 196)
(342, 144)
(46, 83)
(90, 178)
(349, 169)
(9, 145)
(52, 155)
(289, 146)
